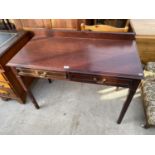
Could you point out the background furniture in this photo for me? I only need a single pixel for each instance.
(105, 28)
(70, 24)
(6, 25)
(120, 23)
(81, 56)
(10, 43)
(145, 38)
(148, 93)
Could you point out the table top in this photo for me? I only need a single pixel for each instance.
(143, 26)
(108, 54)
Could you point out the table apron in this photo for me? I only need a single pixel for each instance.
(55, 75)
(77, 77)
(102, 80)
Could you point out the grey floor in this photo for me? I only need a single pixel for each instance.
(73, 108)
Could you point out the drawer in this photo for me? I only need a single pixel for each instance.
(4, 85)
(4, 92)
(97, 79)
(7, 94)
(2, 78)
(42, 74)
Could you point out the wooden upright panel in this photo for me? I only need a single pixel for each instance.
(32, 23)
(73, 24)
(145, 38)
(64, 23)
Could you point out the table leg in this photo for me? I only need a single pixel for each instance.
(33, 99)
(49, 80)
(29, 93)
(131, 93)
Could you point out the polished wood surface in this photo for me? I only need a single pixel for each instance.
(90, 57)
(11, 43)
(145, 38)
(81, 54)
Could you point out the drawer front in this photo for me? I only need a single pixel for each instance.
(96, 79)
(42, 74)
(4, 92)
(4, 85)
(7, 93)
(2, 78)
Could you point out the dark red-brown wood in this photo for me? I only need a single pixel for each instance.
(91, 57)
(112, 57)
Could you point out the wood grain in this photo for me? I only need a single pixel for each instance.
(145, 38)
(103, 56)
(97, 58)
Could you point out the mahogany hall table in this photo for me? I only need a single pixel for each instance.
(89, 57)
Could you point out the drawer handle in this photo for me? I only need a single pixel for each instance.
(100, 81)
(20, 72)
(43, 74)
